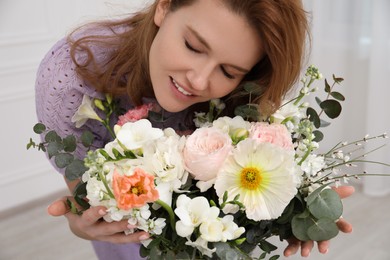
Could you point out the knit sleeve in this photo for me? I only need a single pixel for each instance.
(58, 94)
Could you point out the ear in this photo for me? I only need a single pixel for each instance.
(161, 10)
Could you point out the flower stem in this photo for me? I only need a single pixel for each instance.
(170, 212)
(103, 178)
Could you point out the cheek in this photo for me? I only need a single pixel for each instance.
(221, 88)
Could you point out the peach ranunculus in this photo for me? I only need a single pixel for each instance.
(205, 151)
(135, 114)
(271, 133)
(134, 191)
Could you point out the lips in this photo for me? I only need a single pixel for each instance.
(180, 89)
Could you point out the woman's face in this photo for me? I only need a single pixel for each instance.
(200, 52)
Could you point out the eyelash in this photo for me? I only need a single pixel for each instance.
(197, 51)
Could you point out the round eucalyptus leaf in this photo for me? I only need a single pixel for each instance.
(331, 107)
(75, 169)
(52, 136)
(39, 128)
(300, 226)
(69, 143)
(87, 138)
(63, 159)
(319, 136)
(313, 117)
(337, 95)
(324, 229)
(326, 205)
(54, 148)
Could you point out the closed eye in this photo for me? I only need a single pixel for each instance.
(190, 47)
(229, 76)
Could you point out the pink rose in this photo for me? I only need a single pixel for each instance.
(135, 114)
(205, 151)
(271, 133)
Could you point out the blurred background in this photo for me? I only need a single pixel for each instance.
(350, 38)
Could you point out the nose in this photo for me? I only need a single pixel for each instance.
(199, 76)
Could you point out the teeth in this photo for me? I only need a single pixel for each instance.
(181, 89)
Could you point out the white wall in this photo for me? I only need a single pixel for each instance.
(27, 30)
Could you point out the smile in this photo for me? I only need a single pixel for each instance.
(180, 89)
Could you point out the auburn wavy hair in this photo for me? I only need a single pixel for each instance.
(281, 24)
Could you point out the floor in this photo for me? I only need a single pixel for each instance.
(29, 233)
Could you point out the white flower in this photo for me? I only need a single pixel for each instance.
(163, 158)
(313, 164)
(133, 135)
(201, 245)
(220, 229)
(84, 112)
(230, 125)
(192, 213)
(263, 175)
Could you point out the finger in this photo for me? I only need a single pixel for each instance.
(306, 248)
(323, 246)
(292, 247)
(121, 238)
(58, 207)
(93, 214)
(344, 191)
(344, 226)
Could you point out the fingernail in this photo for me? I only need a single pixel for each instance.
(131, 226)
(102, 212)
(144, 237)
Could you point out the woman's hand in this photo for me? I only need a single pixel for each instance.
(90, 225)
(323, 246)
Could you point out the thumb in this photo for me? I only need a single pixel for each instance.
(58, 207)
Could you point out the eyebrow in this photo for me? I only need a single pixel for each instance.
(204, 42)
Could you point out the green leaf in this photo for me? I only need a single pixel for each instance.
(69, 143)
(324, 123)
(225, 251)
(87, 138)
(253, 88)
(39, 128)
(300, 224)
(54, 148)
(337, 79)
(313, 117)
(80, 193)
(75, 170)
(319, 136)
(326, 205)
(52, 136)
(275, 257)
(324, 229)
(327, 87)
(332, 108)
(318, 100)
(337, 95)
(249, 112)
(63, 159)
(30, 144)
(267, 246)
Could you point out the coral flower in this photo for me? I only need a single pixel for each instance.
(134, 191)
(262, 174)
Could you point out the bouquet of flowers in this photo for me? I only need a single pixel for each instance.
(222, 190)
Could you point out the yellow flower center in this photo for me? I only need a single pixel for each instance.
(250, 178)
(137, 190)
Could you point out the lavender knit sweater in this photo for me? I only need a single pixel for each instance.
(59, 92)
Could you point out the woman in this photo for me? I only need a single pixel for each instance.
(180, 53)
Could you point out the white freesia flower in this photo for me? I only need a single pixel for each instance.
(133, 135)
(216, 229)
(263, 175)
(192, 213)
(230, 125)
(84, 112)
